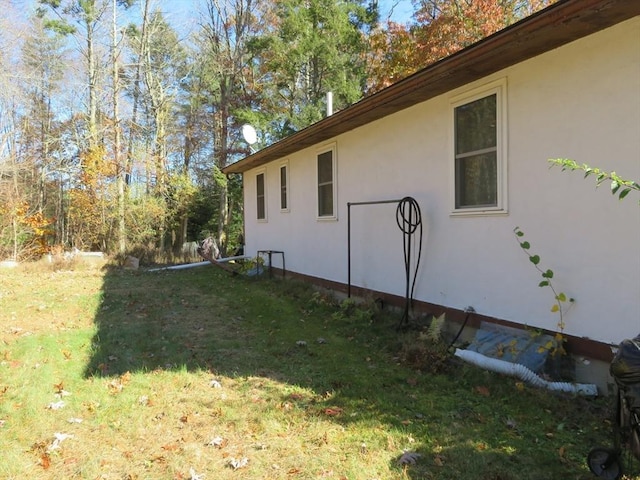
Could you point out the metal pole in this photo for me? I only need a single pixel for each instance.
(348, 250)
(377, 202)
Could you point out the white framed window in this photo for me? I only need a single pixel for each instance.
(479, 164)
(261, 196)
(326, 182)
(284, 186)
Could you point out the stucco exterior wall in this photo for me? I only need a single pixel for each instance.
(581, 101)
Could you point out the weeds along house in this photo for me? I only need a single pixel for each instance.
(563, 83)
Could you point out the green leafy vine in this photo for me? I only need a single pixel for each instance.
(619, 185)
(561, 302)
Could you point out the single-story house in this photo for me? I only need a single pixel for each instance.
(469, 139)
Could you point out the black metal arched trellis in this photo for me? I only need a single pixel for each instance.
(409, 220)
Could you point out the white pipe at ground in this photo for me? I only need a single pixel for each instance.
(180, 267)
(199, 264)
(522, 372)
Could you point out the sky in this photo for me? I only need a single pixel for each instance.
(397, 10)
(185, 10)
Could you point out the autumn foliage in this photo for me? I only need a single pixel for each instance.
(440, 28)
(30, 230)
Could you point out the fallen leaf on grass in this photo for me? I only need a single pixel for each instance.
(238, 463)
(481, 390)
(91, 406)
(160, 459)
(115, 387)
(562, 452)
(409, 458)
(333, 411)
(56, 405)
(58, 439)
(217, 442)
(481, 446)
(194, 475)
(45, 461)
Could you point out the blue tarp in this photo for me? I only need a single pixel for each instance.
(528, 348)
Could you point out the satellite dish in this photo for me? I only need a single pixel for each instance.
(249, 134)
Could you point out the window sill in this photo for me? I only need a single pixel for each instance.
(327, 219)
(480, 212)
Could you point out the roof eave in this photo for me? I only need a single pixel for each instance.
(557, 25)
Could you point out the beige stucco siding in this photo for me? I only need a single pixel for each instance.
(581, 101)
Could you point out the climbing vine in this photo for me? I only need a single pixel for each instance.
(561, 303)
(619, 185)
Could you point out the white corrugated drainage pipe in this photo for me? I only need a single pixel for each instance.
(199, 264)
(522, 372)
(180, 267)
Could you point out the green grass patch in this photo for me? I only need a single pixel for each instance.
(200, 374)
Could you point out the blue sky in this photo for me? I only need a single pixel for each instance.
(400, 10)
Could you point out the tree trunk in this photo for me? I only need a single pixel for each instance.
(93, 97)
(221, 118)
(121, 170)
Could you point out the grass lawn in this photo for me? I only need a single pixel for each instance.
(198, 374)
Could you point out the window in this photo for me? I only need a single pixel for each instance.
(478, 153)
(261, 206)
(326, 184)
(284, 192)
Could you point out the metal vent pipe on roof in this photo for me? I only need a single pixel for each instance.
(329, 104)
